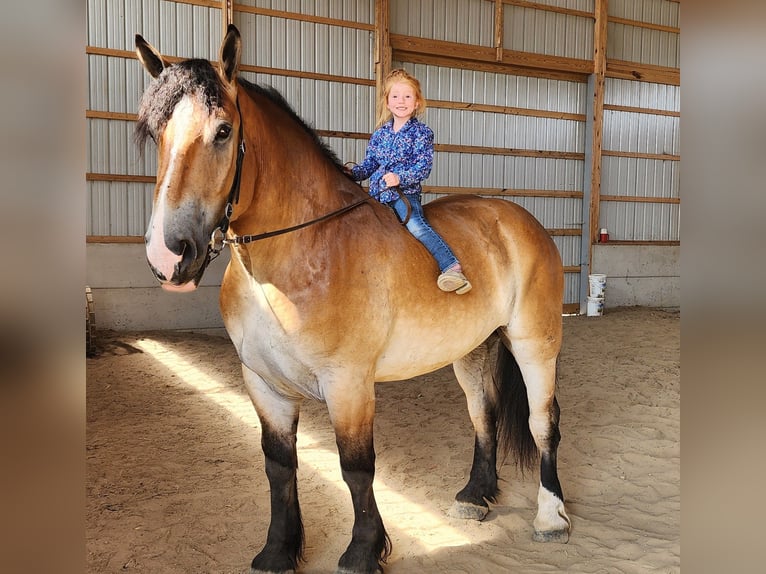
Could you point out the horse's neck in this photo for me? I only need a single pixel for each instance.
(286, 177)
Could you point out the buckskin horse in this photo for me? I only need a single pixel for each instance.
(326, 294)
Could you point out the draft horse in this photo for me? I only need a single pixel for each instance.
(327, 294)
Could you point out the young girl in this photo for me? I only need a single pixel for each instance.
(399, 156)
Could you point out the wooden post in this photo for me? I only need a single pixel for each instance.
(499, 29)
(227, 14)
(382, 48)
(599, 72)
(594, 123)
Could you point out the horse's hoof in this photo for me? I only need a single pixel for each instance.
(560, 536)
(468, 511)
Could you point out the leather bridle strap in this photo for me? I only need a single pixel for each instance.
(241, 239)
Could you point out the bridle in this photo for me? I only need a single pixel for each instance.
(218, 238)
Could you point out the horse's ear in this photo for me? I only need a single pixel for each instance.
(231, 50)
(149, 57)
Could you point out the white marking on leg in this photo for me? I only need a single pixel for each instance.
(551, 516)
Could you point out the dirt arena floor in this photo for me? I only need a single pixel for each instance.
(176, 481)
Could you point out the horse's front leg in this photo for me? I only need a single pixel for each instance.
(352, 410)
(279, 424)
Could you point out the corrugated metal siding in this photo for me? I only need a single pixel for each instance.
(462, 21)
(582, 5)
(359, 11)
(652, 11)
(116, 84)
(550, 33)
(642, 221)
(634, 44)
(631, 177)
(644, 45)
(642, 95)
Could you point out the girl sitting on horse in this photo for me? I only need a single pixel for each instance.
(399, 156)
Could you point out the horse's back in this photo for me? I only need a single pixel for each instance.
(517, 278)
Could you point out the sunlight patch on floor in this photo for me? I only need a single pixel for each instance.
(400, 513)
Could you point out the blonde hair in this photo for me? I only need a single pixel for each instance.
(394, 77)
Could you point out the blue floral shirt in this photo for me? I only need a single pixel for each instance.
(409, 153)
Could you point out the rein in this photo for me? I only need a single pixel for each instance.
(218, 238)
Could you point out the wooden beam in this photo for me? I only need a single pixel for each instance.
(458, 51)
(647, 25)
(625, 70)
(383, 55)
(120, 177)
(641, 199)
(548, 8)
(634, 110)
(484, 66)
(599, 64)
(487, 150)
(227, 15)
(640, 155)
(504, 192)
(508, 110)
(306, 75)
(499, 30)
(114, 239)
(305, 17)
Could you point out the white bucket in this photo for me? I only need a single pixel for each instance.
(595, 306)
(597, 283)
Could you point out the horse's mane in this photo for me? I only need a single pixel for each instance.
(198, 77)
(275, 96)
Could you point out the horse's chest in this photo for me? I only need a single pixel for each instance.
(265, 334)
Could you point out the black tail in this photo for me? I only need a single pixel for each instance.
(512, 412)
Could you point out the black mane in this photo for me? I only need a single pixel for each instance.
(273, 94)
(199, 78)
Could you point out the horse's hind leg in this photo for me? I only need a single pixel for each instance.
(279, 424)
(474, 374)
(536, 358)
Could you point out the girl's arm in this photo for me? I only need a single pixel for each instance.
(362, 171)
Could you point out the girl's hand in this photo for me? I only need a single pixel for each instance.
(391, 179)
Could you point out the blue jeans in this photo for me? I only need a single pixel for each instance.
(419, 227)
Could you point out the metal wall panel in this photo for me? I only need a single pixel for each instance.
(362, 11)
(491, 88)
(550, 33)
(642, 45)
(651, 11)
(642, 221)
(462, 21)
(116, 84)
(582, 5)
(632, 177)
(640, 132)
(642, 95)
(305, 46)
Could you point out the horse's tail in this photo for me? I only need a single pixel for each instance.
(512, 412)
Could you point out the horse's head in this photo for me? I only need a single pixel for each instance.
(190, 111)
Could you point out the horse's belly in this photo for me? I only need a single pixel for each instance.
(416, 352)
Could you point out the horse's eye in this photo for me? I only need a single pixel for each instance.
(223, 133)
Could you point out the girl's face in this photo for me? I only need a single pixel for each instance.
(402, 101)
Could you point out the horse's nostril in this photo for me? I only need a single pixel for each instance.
(188, 253)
